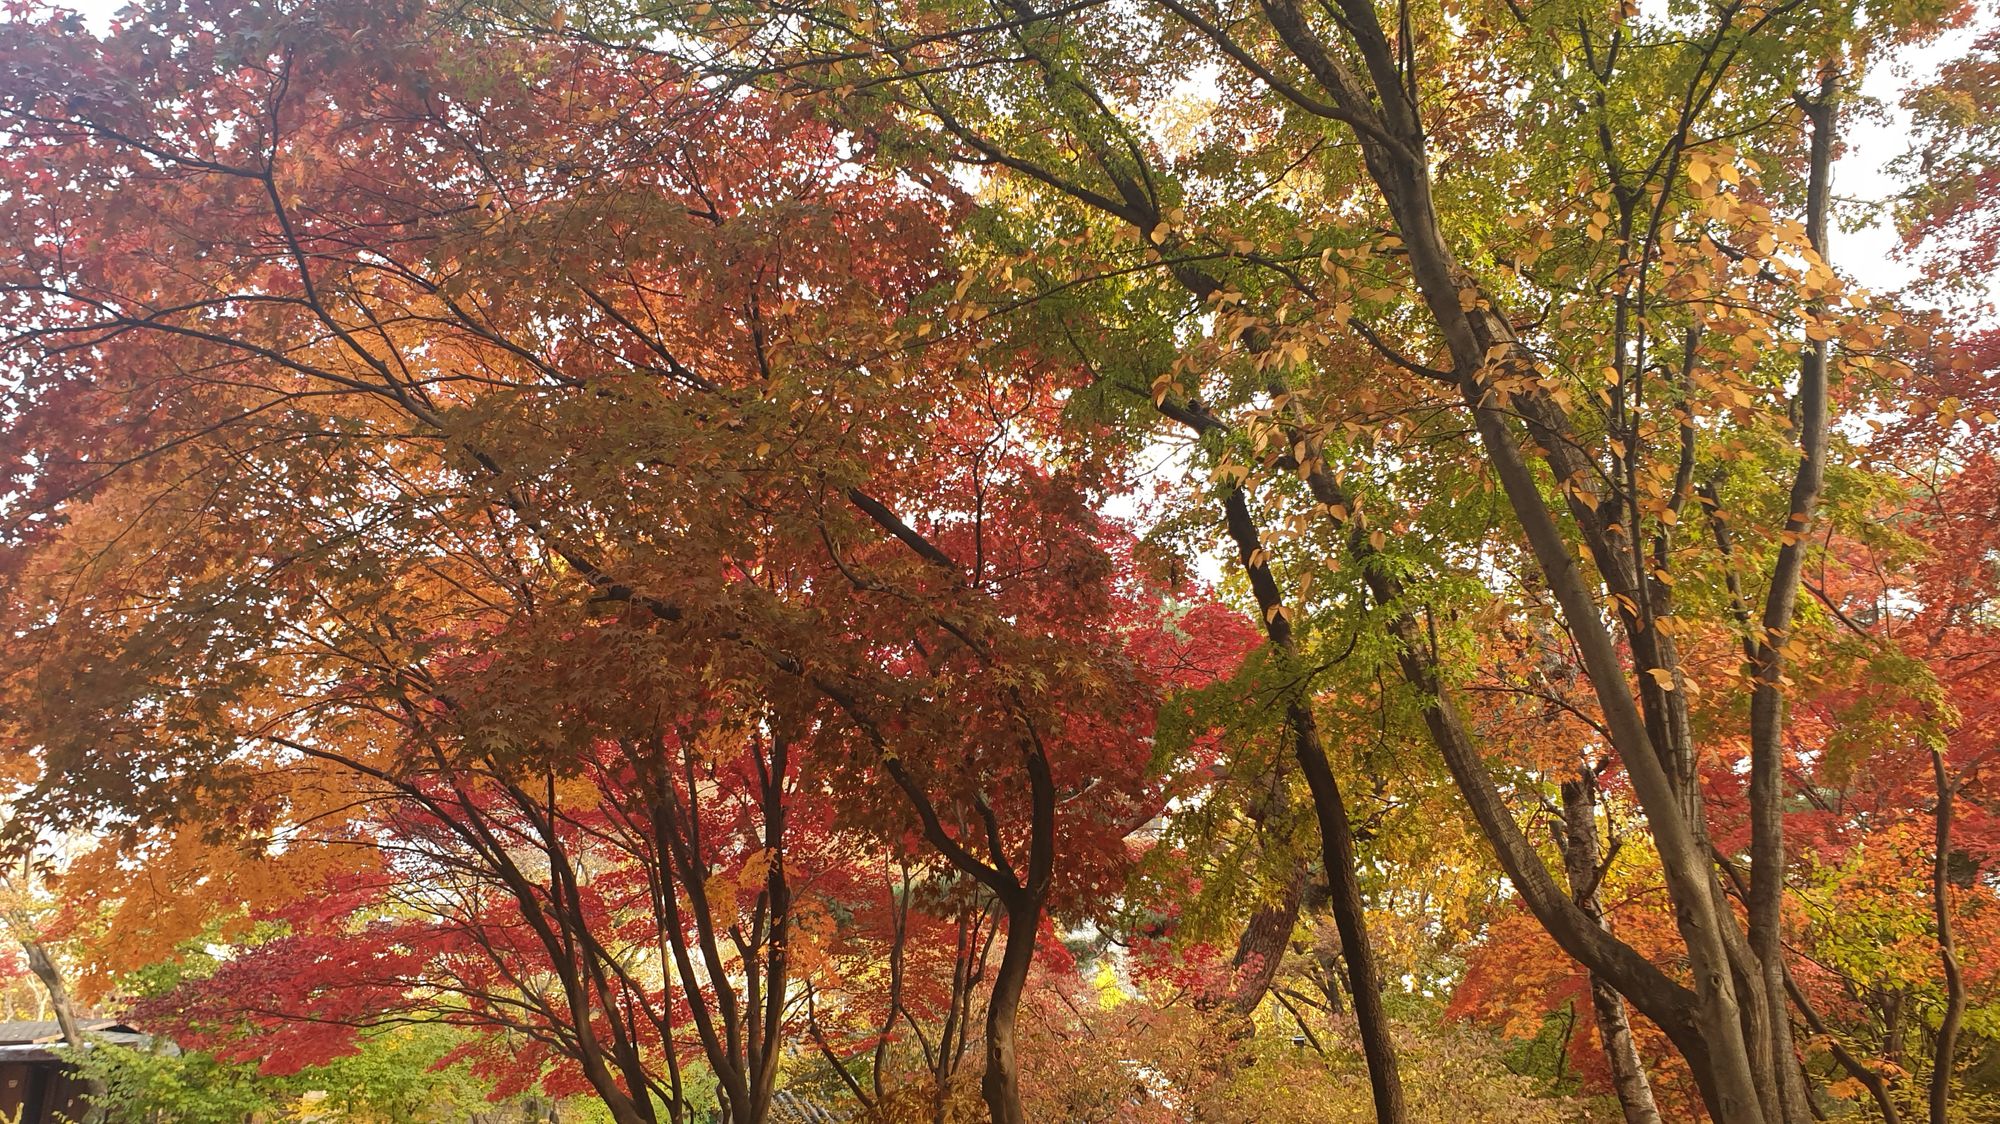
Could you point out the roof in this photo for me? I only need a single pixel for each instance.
(47, 1030)
(789, 1106)
(36, 1040)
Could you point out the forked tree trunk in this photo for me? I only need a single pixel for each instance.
(1583, 860)
(1726, 1025)
(1767, 702)
(1336, 833)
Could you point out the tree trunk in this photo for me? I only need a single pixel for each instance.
(1583, 860)
(1767, 703)
(1393, 149)
(1666, 1002)
(1001, 1084)
(1944, 1055)
(1262, 945)
(1364, 978)
(1725, 1025)
(44, 968)
(1336, 833)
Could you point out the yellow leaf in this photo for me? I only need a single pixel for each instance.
(756, 870)
(720, 889)
(1662, 676)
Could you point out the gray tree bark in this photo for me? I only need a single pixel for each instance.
(1583, 859)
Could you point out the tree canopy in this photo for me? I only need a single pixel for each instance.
(941, 560)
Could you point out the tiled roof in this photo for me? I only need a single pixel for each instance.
(791, 1108)
(46, 1030)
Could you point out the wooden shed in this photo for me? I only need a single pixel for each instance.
(37, 1084)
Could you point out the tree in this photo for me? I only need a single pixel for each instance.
(1656, 329)
(470, 426)
(18, 918)
(1885, 745)
(602, 513)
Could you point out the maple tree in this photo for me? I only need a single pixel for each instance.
(512, 438)
(587, 529)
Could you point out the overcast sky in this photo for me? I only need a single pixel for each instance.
(1863, 172)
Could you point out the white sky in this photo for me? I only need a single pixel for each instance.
(1862, 174)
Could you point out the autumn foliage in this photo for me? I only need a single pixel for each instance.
(1177, 561)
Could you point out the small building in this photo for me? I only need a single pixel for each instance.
(37, 1084)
